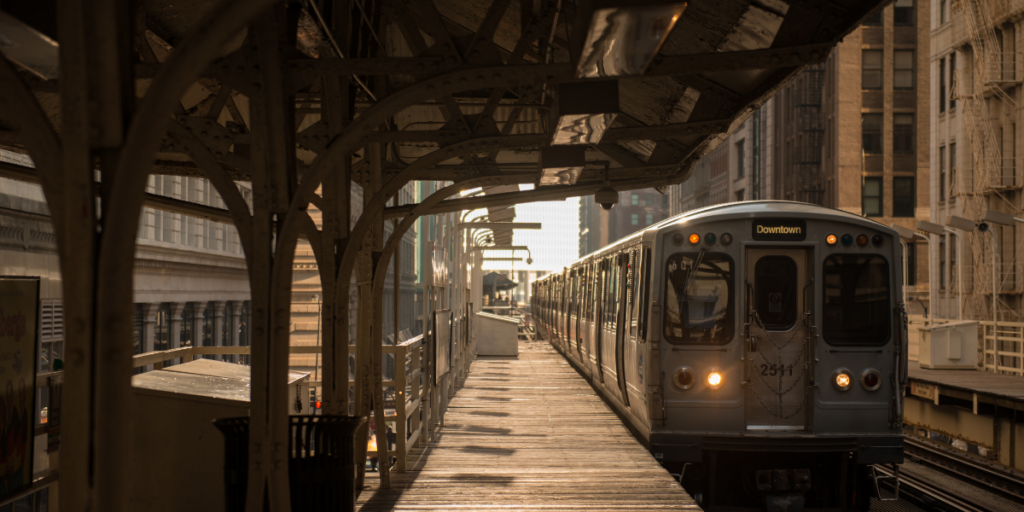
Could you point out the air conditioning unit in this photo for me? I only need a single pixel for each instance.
(950, 346)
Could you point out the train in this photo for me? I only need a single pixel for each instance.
(757, 349)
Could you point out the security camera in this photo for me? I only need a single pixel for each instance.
(606, 197)
(529, 260)
(982, 227)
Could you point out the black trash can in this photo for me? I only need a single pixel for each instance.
(321, 469)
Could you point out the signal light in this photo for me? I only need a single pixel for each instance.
(831, 239)
(726, 239)
(877, 239)
(862, 240)
(841, 379)
(714, 378)
(871, 379)
(684, 378)
(847, 239)
(694, 238)
(709, 239)
(318, 404)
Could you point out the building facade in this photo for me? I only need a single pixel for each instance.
(635, 210)
(740, 168)
(977, 71)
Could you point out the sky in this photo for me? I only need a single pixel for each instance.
(554, 246)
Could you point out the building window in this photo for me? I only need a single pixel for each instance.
(903, 133)
(649, 200)
(161, 332)
(875, 20)
(911, 264)
(871, 126)
(635, 200)
(953, 270)
(903, 197)
(871, 70)
(903, 12)
(649, 220)
(740, 158)
(903, 69)
(943, 12)
(739, 195)
(942, 85)
(871, 197)
(952, 80)
(952, 171)
(634, 218)
(942, 173)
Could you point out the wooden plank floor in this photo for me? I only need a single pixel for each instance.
(1004, 386)
(529, 433)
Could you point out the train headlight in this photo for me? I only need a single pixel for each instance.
(841, 379)
(684, 378)
(714, 378)
(871, 379)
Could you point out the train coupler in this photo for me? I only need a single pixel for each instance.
(783, 489)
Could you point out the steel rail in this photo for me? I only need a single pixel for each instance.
(943, 500)
(1003, 483)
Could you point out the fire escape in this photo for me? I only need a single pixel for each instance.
(811, 135)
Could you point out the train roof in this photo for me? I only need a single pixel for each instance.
(749, 209)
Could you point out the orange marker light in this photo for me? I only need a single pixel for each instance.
(862, 240)
(831, 239)
(694, 238)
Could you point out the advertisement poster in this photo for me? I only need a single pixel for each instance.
(19, 321)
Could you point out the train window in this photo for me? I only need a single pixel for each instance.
(699, 302)
(645, 283)
(775, 292)
(856, 295)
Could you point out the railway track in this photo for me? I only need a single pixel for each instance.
(983, 474)
(936, 478)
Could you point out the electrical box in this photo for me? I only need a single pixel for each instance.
(173, 415)
(950, 346)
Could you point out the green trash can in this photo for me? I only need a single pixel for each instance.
(321, 469)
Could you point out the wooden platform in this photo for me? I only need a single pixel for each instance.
(1003, 386)
(529, 433)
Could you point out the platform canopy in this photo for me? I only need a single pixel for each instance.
(307, 99)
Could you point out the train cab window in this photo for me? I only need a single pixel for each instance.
(856, 295)
(775, 292)
(699, 301)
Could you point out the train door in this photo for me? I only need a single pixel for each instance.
(622, 320)
(582, 276)
(777, 352)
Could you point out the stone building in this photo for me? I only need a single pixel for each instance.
(977, 72)
(635, 210)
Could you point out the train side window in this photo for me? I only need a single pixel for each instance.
(699, 299)
(856, 300)
(775, 292)
(645, 290)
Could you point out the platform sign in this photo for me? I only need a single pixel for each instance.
(922, 390)
(19, 329)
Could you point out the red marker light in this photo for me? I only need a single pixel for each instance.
(318, 404)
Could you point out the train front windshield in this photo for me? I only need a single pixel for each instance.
(856, 307)
(698, 302)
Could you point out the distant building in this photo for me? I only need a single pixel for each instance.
(635, 210)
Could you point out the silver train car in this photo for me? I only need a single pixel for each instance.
(757, 349)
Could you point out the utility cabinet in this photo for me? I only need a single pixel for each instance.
(173, 415)
(950, 346)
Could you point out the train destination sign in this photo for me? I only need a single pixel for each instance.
(783, 230)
